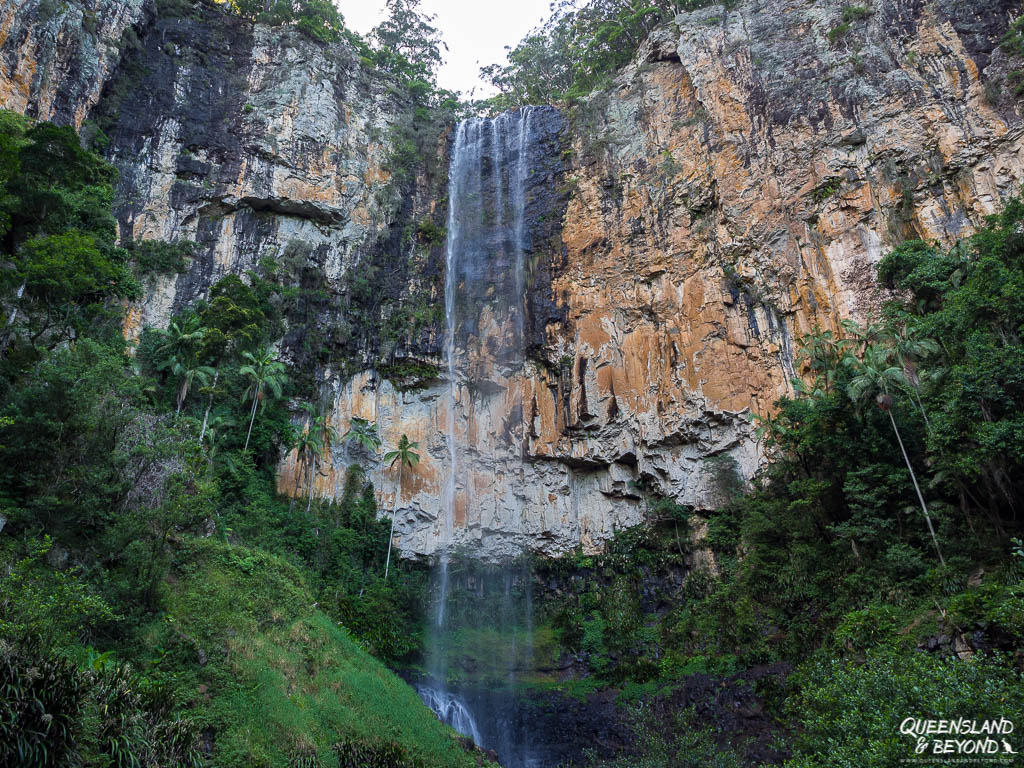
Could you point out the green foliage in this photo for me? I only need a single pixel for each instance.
(578, 49)
(40, 703)
(284, 665)
(838, 32)
(855, 13)
(364, 434)
(409, 374)
(430, 233)
(318, 19)
(162, 258)
(69, 440)
(849, 712)
(826, 190)
(53, 713)
(39, 601)
(408, 47)
(851, 15)
(967, 300)
(679, 741)
(995, 609)
(1013, 40)
(64, 275)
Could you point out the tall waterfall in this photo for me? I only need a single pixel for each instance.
(485, 300)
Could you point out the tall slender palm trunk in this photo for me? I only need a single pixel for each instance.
(394, 514)
(309, 495)
(920, 497)
(252, 418)
(209, 405)
(10, 321)
(182, 393)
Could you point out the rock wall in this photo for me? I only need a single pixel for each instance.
(731, 190)
(254, 142)
(55, 57)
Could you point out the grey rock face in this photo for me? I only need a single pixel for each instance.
(249, 141)
(55, 57)
(733, 189)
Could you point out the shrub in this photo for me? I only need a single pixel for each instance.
(849, 712)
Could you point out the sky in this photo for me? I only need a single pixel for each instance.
(476, 32)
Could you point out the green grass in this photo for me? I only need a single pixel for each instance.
(281, 681)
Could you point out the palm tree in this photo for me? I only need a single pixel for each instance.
(364, 434)
(309, 447)
(909, 347)
(265, 372)
(820, 351)
(318, 437)
(187, 371)
(219, 425)
(209, 403)
(178, 352)
(181, 339)
(405, 456)
(862, 336)
(875, 375)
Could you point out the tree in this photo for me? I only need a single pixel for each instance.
(187, 371)
(909, 348)
(180, 339)
(66, 277)
(875, 375)
(319, 19)
(408, 44)
(264, 371)
(578, 49)
(363, 433)
(178, 353)
(821, 352)
(405, 456)
(307, 449)
(219, 424)
(313, 443)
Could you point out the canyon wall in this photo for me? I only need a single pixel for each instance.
(730, 191)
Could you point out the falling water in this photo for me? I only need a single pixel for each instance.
(485, 276)
(450, 709)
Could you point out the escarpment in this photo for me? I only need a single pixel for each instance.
(731, 190)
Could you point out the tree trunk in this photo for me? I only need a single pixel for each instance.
(10, 321)
(209, 405)
(394, 514)
(252, 418)
(298, 477)
(309, 496)
(920, 407)
(182, 394)
(920, 497)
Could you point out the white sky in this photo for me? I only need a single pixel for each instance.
(476, 32)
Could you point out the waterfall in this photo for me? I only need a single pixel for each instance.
(451, 710)
(485, 307)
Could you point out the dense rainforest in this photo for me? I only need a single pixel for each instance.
(162, 603)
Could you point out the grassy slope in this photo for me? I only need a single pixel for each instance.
(276, 679)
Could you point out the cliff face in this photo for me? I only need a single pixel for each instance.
(254, 142)
(731, 191)
(55, 57)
